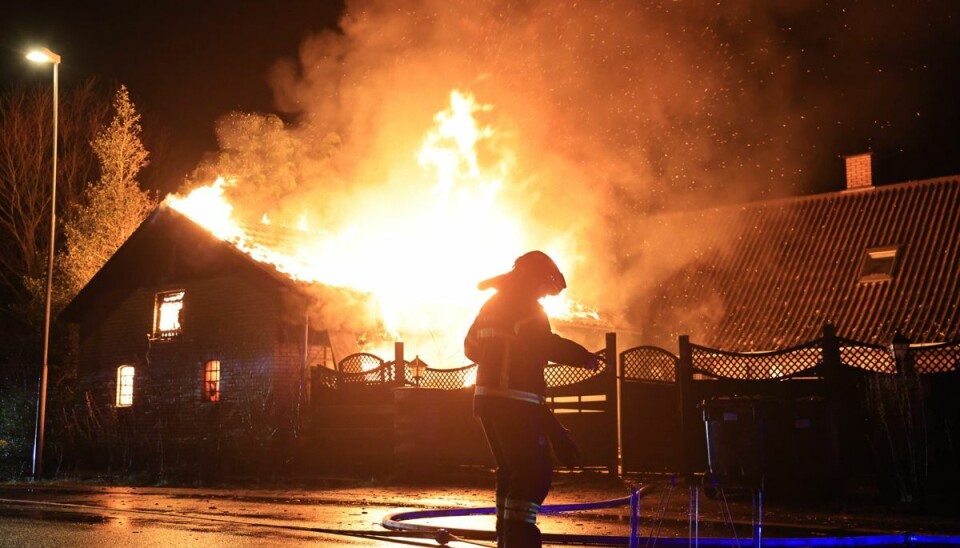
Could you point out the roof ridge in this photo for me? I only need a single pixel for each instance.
(948, 179)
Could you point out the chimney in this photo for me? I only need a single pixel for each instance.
(859, 171)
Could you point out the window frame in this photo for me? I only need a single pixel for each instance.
(167, 334)
(879, 264)
(206, 395)
(125, 385)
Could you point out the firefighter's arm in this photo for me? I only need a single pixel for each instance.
(567, 352)
(555, 348)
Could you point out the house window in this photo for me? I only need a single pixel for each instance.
(878, 264)
(169, 307)
(125, 386)
(211, 381)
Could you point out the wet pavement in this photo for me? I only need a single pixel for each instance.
(339, 513)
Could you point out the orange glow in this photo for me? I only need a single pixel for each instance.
(419, 250)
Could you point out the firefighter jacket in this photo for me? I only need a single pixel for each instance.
(511, 343)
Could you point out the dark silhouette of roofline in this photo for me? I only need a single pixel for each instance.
(160, 224)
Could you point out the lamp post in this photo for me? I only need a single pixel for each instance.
(43, 55)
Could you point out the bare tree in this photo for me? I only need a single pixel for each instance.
(25, 171)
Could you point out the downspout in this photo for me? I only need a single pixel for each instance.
(301, 393)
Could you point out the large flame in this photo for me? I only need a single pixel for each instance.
(421, 251)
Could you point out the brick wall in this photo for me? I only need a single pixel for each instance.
(859, 171)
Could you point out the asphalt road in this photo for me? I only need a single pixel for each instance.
(129, 520)
(73, 514)
(58, 515)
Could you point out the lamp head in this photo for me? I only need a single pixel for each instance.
(43, 55)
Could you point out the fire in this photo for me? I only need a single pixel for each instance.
(422, 258)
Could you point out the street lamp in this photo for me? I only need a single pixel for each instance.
(43, 55)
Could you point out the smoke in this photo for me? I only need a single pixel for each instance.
(612, 111)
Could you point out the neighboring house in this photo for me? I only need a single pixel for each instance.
(187, 345)
(872, 261)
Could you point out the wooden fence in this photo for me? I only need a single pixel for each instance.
(645, 410)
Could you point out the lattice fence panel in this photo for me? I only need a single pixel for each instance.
(380, 375)
(719, 364)
(756, 365)
(359, 363)
(327, 378)
(557, 374)
(445, 379)
(787, 362)
(869, 357)
(649, 363)
(324, 378)
(936, 359)
(454, 379)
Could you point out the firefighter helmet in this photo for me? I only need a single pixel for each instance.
(535, 267)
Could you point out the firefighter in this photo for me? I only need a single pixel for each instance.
(511, 343)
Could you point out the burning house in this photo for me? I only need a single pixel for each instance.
(199, 333)
(190, 348)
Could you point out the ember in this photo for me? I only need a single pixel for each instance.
(448, 226)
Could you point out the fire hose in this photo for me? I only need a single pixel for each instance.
(398, 522)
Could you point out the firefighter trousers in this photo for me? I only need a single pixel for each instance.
(516, 433)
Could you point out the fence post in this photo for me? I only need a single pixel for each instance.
(832, 367)
(832, 372)
(684, 375)
(399, 364)
(831, 351)
(902, 357)
(613, 403)
(842, 403)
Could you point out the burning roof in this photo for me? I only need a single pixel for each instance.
(418, 246)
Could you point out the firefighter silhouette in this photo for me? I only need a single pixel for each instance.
(511, 342)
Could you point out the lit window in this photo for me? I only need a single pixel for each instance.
(125, 386)
(169, 306)
(878, 264)
(211, 381)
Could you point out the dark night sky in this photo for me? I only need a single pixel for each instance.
(185, 62)
(874, 76)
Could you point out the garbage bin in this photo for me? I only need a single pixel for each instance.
(736, 447)
(803, 451)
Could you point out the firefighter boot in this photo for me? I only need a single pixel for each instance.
(520, 534)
